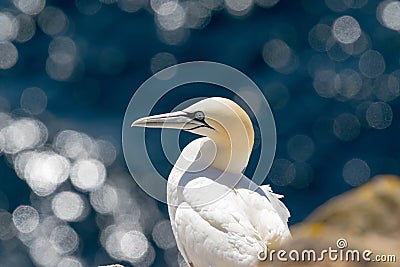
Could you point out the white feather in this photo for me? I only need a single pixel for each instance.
(222, 231)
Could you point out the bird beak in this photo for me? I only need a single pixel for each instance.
(174, 120)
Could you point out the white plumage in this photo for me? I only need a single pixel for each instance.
(219, 217)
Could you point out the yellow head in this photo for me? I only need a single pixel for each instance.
(220, 119)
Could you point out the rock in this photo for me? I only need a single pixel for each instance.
(366, 218)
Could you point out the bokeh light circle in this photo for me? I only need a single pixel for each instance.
(356, 172)
(25, 218)
(8, 55)
(346, 30)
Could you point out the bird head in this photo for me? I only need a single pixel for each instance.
(220, 119)
(216, 118)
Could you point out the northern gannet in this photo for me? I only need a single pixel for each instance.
(219, 217)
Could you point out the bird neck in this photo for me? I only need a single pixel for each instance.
(232, 154)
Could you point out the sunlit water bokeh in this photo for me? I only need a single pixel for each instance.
(330, 70)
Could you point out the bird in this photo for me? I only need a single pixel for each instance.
(219, 217)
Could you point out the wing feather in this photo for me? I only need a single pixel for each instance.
(238, 222)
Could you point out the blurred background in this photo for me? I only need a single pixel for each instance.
(329, 69)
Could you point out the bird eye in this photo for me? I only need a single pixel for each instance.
(199, 116)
